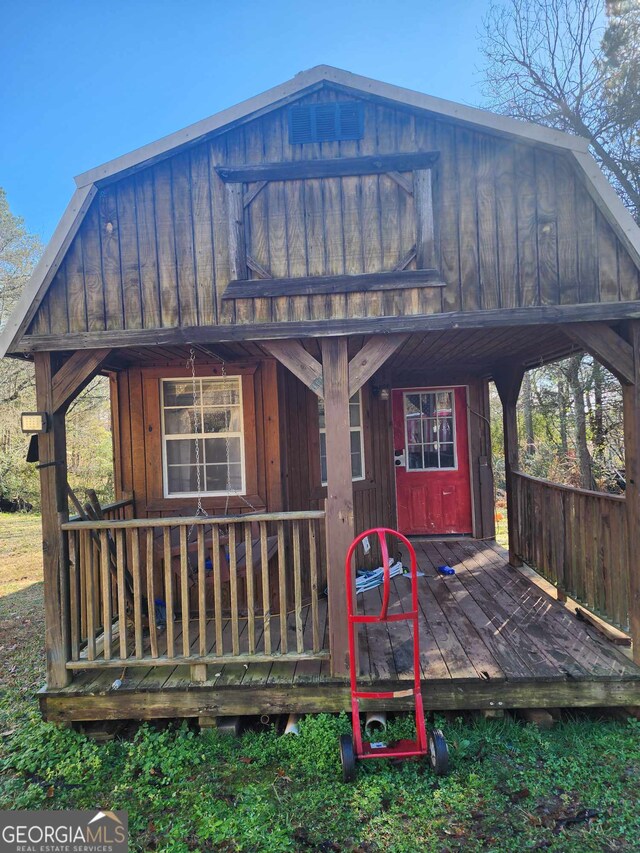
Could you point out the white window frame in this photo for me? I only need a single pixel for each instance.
(201, 435)
(358, 429)
(406, 431)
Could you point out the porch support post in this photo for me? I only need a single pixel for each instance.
(339, 518)
(52, 455)
(508, 381)
(631, 409)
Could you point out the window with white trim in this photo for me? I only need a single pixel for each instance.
(211, 417)
(429, 418)
(356, 437)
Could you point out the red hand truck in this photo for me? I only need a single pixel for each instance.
(352, 747)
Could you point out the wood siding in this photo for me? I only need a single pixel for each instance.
(514, 227)
(137, 436)
(374, 496)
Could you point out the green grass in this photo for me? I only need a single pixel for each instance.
(510, 789)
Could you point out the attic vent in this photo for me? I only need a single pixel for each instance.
(325, 122)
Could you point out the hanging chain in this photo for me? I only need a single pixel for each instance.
(228, 456)
(200, 510)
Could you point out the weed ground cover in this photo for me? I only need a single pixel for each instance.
(512, 787)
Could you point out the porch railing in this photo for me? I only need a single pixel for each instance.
(195, 590)
(577, 540)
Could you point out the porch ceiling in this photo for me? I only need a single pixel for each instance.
(469, 351)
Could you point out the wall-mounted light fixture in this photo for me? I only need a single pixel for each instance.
(32, 422)
(381, 392)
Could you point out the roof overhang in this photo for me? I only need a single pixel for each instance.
(314, 77)
(89, 182)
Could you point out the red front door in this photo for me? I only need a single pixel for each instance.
(431, 458)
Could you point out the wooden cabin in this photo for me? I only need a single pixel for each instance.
(300, 302)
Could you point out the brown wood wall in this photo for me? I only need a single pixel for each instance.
(515, 227)
(374, 497)
(137, 439)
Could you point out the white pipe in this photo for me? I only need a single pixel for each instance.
(292, 727)
(375, 721)
(265, 719)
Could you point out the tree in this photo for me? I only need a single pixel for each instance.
(88, 428)
(573, 65)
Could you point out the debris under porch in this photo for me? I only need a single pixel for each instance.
(491, 638)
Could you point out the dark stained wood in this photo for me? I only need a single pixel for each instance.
(508, 379)
(52, 449)
(490, 637)
(536, 315)
(371, 358)
(607, 346)
(300, 362)
(312, 285)
(631, 409)
(74, 375)
(339, 513)
(576, 539)
(328, 168)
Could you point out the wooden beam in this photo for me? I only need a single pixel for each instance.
(75, 374)
(425, 243)
(52, 455)
(631, 410)
(313, 285)
(237, 247)
(300, 362)
(339, 517)
(603, 343)
(508, 379)
(493, 318)
(298, 170)
(370, 358)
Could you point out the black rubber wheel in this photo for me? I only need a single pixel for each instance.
(347, 758)
(438, 752)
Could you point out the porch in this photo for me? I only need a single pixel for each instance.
(491, 638)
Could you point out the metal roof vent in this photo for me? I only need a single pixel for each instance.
(329, 122)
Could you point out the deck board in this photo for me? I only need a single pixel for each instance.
(489, 636)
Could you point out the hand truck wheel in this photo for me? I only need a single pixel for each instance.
(438, 752)
(347, 758)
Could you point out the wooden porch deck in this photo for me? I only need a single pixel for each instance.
(490, 638)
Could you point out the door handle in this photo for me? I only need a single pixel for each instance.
(399, 458)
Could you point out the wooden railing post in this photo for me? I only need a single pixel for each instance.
(508, 380)
(339, 520)
(631, 408)
(52, 456)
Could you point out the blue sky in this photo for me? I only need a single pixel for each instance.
(82, 82)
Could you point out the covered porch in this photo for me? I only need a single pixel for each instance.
(491, 638)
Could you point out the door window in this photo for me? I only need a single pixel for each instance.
(429, 418)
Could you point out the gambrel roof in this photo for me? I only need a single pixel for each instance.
(89, 182)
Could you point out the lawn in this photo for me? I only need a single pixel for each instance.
(511, 788)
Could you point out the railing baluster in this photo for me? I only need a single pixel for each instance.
(151, 596)
(217, 587)
(106, 593)
(282, 588)
(313, 569)
(184, 591)
(90, 578)
(74, 589)
(108, 589)
(251, 616)
(266, 599)
(137, 594)
(202, 594)
(297, 587)
(168, 591)
(233, 576)
(122, 599)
